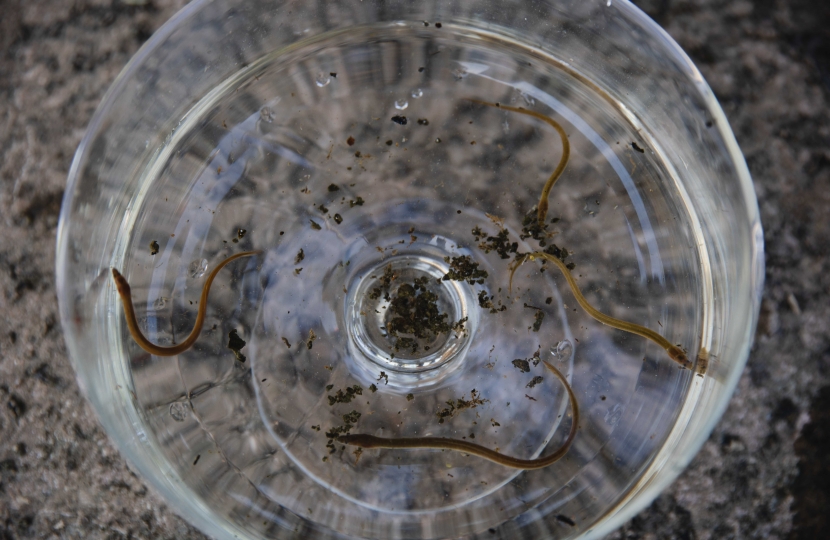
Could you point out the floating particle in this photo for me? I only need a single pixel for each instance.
(538, 318)
(235, 344)
(565, 519)
(522, 365)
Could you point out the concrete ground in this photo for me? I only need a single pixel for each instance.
(765, 471)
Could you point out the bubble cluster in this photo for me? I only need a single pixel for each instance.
(179, 411)
(266, 114)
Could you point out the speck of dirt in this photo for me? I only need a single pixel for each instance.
(522, 365)
(314, 225)
(154, 247)
(346, 396)
(500, 243)
(235, 344)
(536, 380)
(637, 148)
(423, 122)
(398, 119)
(460, 404)
(338, 219)
(566, 520)
(463, 268)
(333, 187)
(538, 318)
(300, 256)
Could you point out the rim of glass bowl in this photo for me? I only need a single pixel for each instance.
(163, 478)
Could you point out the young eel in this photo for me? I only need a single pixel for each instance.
(675, 352)
(441, 443)
(542, 208)
(129, 313)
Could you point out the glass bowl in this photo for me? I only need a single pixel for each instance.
(396, 204)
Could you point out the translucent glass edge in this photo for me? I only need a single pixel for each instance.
(189, 509)
(657, 483)
(629, 10)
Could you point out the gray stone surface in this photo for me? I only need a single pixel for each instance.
(765, 471)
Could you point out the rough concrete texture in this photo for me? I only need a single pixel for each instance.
(765, 471)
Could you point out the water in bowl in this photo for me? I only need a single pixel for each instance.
(389, 204)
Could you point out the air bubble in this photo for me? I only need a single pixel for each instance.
(562, 350)
(266, 114)
(613, 415)
(197, 268)
(417, 93)
(528, 99)
(178, 411)
(323, 79)
(401, 104)
(159, 303)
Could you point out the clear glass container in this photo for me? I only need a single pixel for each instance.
(357, 146)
